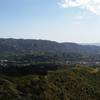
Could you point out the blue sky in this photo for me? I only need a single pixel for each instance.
(50, 20)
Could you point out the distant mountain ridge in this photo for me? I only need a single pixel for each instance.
(32, 45)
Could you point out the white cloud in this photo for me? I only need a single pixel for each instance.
(91, 5)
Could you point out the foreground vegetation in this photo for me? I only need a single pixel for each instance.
(67, 83)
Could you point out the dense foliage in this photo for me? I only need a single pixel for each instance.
(67, 83)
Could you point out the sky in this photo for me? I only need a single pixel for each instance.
(56, 20)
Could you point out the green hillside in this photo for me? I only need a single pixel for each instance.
(31, 50)
(66, 83)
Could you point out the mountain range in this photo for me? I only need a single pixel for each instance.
(32, 45)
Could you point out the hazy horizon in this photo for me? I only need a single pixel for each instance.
(81, 43)
(75, 21)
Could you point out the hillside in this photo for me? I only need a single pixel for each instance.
(44, 50)
(29, 45)
(76, 83)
